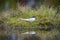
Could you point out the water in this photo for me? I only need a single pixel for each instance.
(14, 36)
(7, 4)
(30, 3)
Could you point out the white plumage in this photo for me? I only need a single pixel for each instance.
(28, 19)
(32, 32)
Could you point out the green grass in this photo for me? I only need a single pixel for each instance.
(43, 15)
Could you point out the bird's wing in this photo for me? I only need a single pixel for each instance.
(24, 19)
(29, 19)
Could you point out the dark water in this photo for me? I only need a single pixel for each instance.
(12, 36)
(7, 4)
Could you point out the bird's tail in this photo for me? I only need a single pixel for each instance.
(22, 19)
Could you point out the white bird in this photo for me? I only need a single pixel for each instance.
(28, 19)
(32, 32)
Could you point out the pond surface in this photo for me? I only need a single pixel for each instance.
(7, 4)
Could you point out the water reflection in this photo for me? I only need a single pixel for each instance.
(14, 36)
(30, 3)
(7, 5)
(32, 38)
